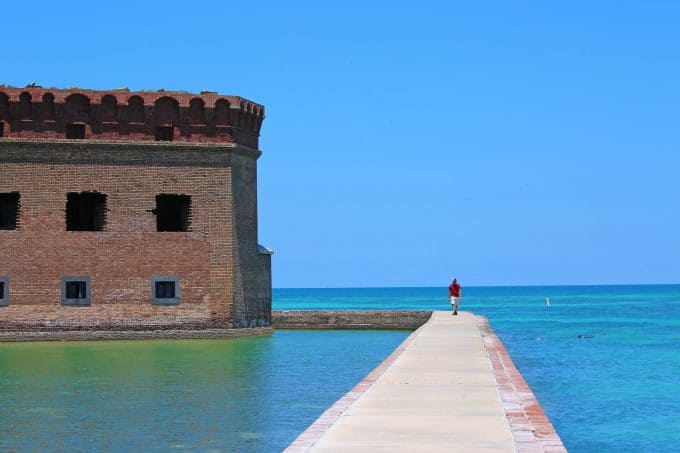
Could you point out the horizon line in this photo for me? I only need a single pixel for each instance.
(480, 286)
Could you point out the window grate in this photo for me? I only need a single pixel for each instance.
(75, 291)
(165, 290)
(4, 291)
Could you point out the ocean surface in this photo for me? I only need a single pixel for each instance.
(603, 361)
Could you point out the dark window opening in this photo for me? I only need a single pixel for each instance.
(9, 210)
(75, 131)
(173, 212)
(85, 211)
(165, 290)
(164, 133)
(2, 129)
(2, 290)
(76, 290)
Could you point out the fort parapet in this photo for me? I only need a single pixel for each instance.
(46, 113)
(128, 210)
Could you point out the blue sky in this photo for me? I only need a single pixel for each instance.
(503, 142)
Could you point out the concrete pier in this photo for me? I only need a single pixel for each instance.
(448, 387)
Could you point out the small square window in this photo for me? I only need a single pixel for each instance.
(164, 133)
(75, 291)
(165, 290)
(9, 210)
(75, 131)
(4, 291)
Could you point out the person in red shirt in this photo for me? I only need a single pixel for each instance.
(454, 295)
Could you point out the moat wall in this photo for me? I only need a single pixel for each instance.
(99, 335)
(349, 319)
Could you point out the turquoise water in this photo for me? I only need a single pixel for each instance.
(251, 394)
(616, 388)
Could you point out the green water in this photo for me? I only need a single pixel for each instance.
(251, 394)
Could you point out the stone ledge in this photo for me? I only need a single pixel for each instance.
(350, 319)
(117, 152)
(91, 335)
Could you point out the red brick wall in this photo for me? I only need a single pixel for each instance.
(212, 261)
(252, 287)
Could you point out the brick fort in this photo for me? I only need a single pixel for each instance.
(132, 211)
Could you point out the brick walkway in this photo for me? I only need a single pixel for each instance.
(530, 427)
(439, 391)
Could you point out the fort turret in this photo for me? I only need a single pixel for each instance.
(124, 210)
